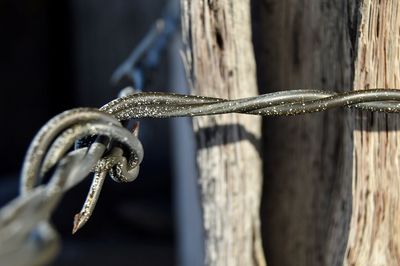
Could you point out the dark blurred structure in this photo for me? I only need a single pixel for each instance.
(57, 55)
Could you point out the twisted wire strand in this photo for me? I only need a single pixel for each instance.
(294, 102)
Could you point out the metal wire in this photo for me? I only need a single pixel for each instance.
(294, 102)
(112, 149)
(146, 55)
(24, 226)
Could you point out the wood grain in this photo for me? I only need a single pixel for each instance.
(375, 224)
(220, 62)
(308, 159)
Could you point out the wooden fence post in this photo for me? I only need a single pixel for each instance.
(220, 62)
(375, 224)
(332, 185)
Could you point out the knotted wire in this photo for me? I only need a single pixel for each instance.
(26, 236)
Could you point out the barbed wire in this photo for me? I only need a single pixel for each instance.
(292, 102)
(103, 145)
(106, 147)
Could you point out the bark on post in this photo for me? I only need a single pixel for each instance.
(220, 62)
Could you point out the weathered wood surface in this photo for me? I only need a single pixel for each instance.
(311, 215)
(220, 62)
(375, 225)
(307, 191)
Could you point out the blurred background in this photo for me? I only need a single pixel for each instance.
(57, 55)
